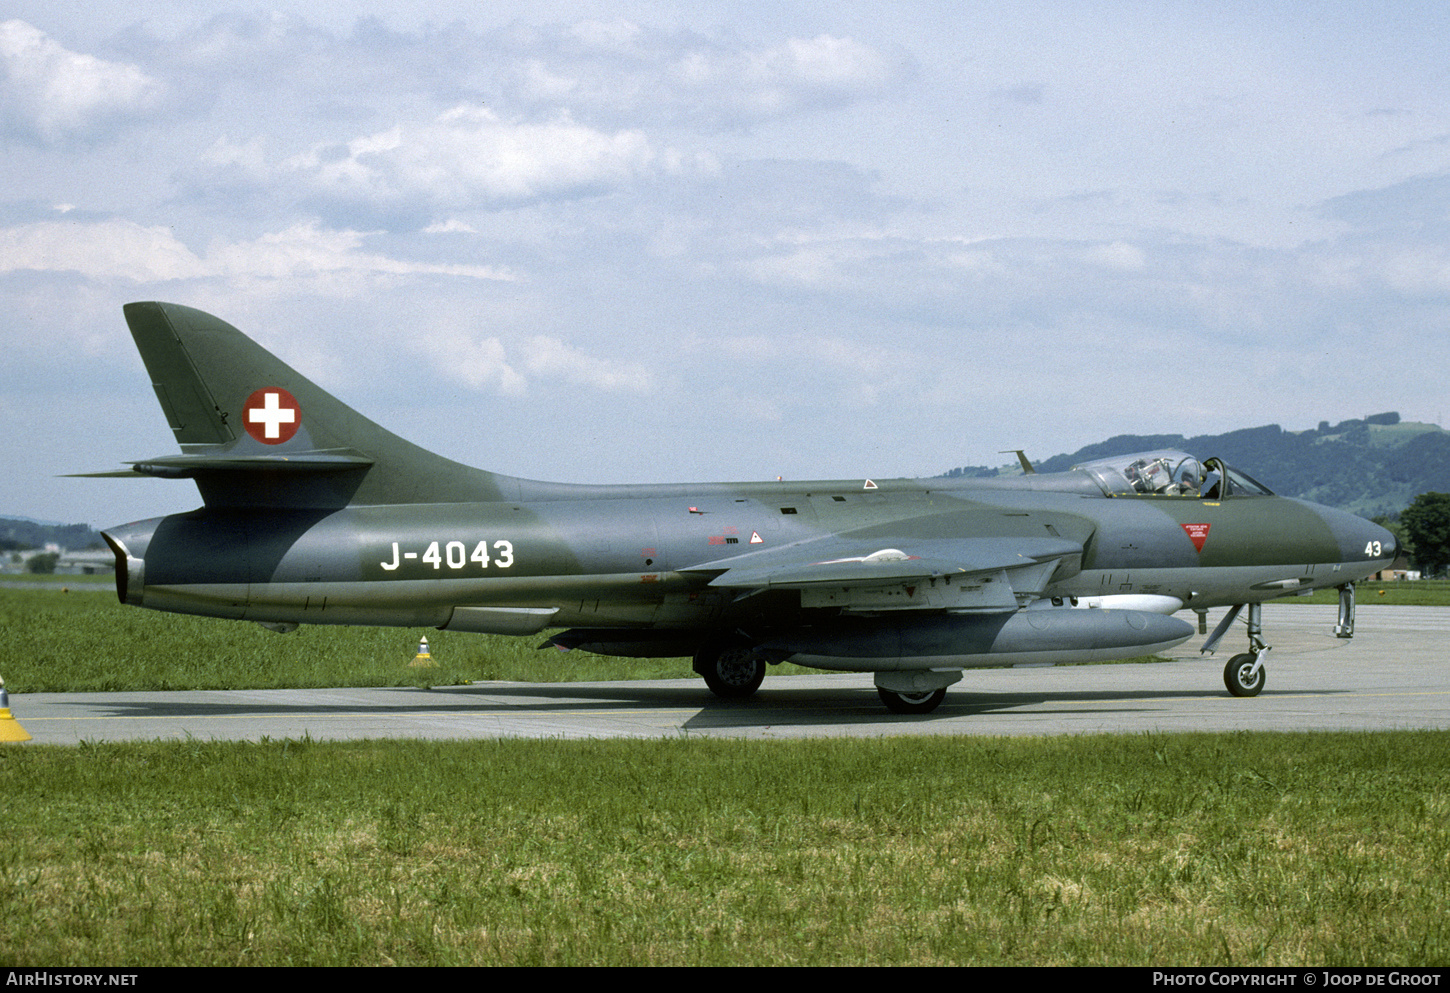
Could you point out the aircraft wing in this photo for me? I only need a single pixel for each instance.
(942, 573)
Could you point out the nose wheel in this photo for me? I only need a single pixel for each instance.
(1244, 675)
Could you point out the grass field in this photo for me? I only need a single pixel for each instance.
(84, 640)
(1245, 849)
(1240, 849)
(1419, 593)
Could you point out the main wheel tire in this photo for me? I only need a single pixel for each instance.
(1239, 677)
(731, 671)
(911, 703)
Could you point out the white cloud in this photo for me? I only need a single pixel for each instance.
(451, 226)
(249, 157)
(762, 82)
(476, 361)
(54, 92)
(468, 156)
(107, 251)
(921, 212)
(1119, 255)
(544, 84)
(1418, 272)
(551, 358)
(828, 63)
(486, 362)
(120, 250)
(617, 33)
(306, 250)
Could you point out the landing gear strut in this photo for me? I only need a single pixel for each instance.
(1345, 627)
(1245, 674)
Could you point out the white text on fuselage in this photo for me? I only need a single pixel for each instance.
(455, 555)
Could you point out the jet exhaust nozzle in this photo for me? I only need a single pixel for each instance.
(130, 569)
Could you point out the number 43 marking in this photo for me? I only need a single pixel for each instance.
(1374, 550)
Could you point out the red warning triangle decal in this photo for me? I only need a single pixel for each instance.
(1197, 533)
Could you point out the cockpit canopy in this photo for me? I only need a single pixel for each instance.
(1169, 473)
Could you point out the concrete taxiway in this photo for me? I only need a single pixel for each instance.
(1392, 675)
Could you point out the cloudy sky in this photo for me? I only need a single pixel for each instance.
(614, 242)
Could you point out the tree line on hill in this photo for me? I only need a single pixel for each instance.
(18, 535)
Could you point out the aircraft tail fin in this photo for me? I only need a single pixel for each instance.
(254, 432)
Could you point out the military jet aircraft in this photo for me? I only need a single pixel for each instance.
(312, 514)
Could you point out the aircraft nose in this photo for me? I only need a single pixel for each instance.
(1364, 546)
(1389, 544)
(1368, 542)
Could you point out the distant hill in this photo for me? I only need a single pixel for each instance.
(1376, 466)
(20, 533)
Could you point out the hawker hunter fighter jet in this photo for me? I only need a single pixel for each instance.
(312, 514)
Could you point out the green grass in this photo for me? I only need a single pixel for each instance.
(1241, 849)
(92, 582)
(84, 640)
(1403, 593)
(1245, 849)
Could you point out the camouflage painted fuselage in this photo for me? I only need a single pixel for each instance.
(314, 515)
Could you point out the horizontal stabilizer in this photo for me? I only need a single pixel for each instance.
(187, 466)
(109, 474)
(192, 465)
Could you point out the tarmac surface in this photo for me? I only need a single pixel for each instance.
(1394, 674)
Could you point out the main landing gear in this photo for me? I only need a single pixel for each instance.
(911, 703)
(915, 691)
(732, 671)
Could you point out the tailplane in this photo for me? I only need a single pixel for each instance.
(255, 432)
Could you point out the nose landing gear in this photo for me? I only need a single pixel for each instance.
(1245, 674)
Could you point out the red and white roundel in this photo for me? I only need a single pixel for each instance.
(271, 415)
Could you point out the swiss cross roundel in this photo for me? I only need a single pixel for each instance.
(271, 415)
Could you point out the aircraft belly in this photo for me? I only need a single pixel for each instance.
(227, 600)
(609, 599)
